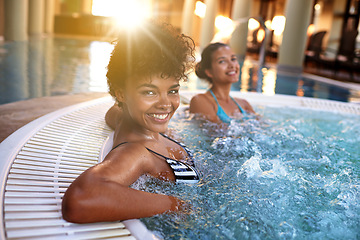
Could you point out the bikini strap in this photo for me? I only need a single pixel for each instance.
(240, 108)
(214, 96)
(238, 105)
(118, 145)
(145, 147)
(187, 150)
(152, 151)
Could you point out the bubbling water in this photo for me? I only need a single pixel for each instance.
(293, 174)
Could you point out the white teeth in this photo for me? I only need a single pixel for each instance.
(231, 73)
(160, 116)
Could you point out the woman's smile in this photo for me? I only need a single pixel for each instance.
(159, 117)
(225, 66)
(231, 73)
(152, 102)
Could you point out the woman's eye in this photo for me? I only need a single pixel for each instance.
(175, 91)
(234, 59)
(148, 93)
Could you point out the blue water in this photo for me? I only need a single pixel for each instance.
(52, 66)
(58, 66)
(294, 174)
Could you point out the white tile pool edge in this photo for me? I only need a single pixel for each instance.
(13, 144)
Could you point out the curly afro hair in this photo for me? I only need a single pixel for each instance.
(153, 49)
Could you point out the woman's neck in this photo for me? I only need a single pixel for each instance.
(222, 93)
(134, 132)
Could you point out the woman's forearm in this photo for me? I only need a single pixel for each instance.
(109, 201)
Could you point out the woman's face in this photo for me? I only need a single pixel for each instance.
(224, 66)
(152, 102)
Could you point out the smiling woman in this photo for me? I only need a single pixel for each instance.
(219, 66)
(143, 76)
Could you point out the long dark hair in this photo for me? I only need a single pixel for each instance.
(206, 60)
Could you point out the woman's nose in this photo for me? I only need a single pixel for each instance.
(164, 101)
(233, 64)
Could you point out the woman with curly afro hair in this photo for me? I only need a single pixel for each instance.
(144, 71)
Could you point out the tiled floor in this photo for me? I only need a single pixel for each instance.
(17, 114)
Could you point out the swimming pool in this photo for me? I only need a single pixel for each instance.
(293, 174)
(59, 66)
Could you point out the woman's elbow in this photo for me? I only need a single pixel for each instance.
(71, 209)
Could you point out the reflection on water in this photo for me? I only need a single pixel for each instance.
(52, 66)
(57, 66)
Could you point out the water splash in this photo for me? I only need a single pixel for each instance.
(291, 175)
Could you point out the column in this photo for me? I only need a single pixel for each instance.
(49, 16)
(36, 17)
(241, 11)
(208, 23)
(291, 52)
(188, 17)
(16, 18)
(2, 18)
(86, 7)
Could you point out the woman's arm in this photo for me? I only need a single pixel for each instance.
(102, 192)
(113, 116)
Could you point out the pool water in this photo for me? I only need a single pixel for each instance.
(52, 66)
(293, 174)
(58, 66)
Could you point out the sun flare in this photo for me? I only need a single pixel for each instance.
(126, 14)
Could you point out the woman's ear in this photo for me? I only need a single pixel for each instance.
(208, 73)
(120, 96)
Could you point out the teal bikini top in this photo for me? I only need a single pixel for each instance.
(221, 113)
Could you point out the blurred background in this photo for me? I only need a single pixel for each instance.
(59, 47)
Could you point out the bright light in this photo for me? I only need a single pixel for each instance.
(260, 35)
(310, 29)
(222, 22)
(317, 7)
(269, 81)
(278, 25)
(253, 24)
(125, 13)
(200, 9)
(225, 27)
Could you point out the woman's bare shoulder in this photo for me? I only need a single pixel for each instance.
(113, 116)
(125, 163)
(127, 150)
(245, 105)
(203, 105)
(198, 101)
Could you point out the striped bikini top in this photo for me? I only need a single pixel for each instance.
(184, 172)
(221, 113)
